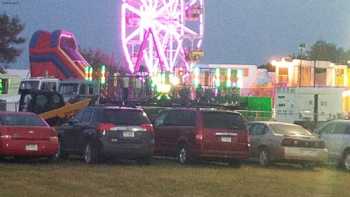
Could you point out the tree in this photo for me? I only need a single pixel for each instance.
(322, 50)
(268, 66)
(97, 57)
(10, 28)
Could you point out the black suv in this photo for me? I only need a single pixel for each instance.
(108, 131)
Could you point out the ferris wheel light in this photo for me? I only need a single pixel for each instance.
(147, 19)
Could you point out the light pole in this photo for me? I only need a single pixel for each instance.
(301, 49)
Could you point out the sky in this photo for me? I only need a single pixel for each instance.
(236, 31)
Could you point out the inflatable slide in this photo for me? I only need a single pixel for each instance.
(56, 54)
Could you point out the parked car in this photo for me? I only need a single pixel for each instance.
(278, 141)
(25, 134)
(336, 134)
(108, 131)
(198, 133)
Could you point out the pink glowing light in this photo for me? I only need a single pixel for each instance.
(156, 33)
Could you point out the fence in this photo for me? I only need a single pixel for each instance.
(9, 106)
(257, 115)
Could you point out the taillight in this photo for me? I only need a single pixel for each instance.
(7, 137)
(105, 127)
(289, 142)
(199, 135)
(53, 139)
(148, 127)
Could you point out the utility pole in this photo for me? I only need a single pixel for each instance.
(301, 48)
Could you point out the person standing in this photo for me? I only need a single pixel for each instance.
(125, 89)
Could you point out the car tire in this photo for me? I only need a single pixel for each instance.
(264, 157)
(235, 163)
(346, 160)
(308, 165)
(60, 153)
(91, 154)
(144, 161)
(183, 155)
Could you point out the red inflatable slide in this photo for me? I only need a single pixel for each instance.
(56, 54)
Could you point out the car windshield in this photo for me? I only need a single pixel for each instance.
(289, 129)
(222, 120)
(29, 85)
(125, 117)
(69, 89)
(21, 120)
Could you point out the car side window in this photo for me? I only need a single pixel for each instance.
(328, 129)
(79, 116)
(251, 129)
(260, 129)
(87, 116)
(347, 131)
(340, 128)
(160, 120)
(171, 119)
(186, 118)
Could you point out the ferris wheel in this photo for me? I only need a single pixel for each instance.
(161, 35)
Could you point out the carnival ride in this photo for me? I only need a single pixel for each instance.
(57, 55)
(162, 35)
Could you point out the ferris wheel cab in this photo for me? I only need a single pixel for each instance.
(194, 12)
(194, 55)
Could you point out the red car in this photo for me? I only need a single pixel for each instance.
(25, 134)
(194, 133)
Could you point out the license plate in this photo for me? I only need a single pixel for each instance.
(128, 134)
(226, 139)
(31, 147)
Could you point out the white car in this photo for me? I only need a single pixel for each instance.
(336, 134)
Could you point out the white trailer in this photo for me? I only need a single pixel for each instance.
(308, 104)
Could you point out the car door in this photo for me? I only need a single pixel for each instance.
(339, 138)
(166, 134)
(327, 134)
(73, 135)
(257, 132)
(82, 128)
(68, 132)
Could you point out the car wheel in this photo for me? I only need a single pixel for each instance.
(346, 160)
(90, 154)
(235, 163)
(264, 157)
(183, 155)
(60, 153)
(308, 165)
(144, 161)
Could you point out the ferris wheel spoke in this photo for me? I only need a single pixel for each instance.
(160, 52)
(131, 9)
(135, 33)
(177, 52)
(166, 8)
(186, 29)
(166, 29)
(165, 39)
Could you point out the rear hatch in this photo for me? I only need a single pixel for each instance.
(127, 125)
(224, 133)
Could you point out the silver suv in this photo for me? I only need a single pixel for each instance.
(336, 134)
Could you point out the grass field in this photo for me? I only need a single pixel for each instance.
(166, 178)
